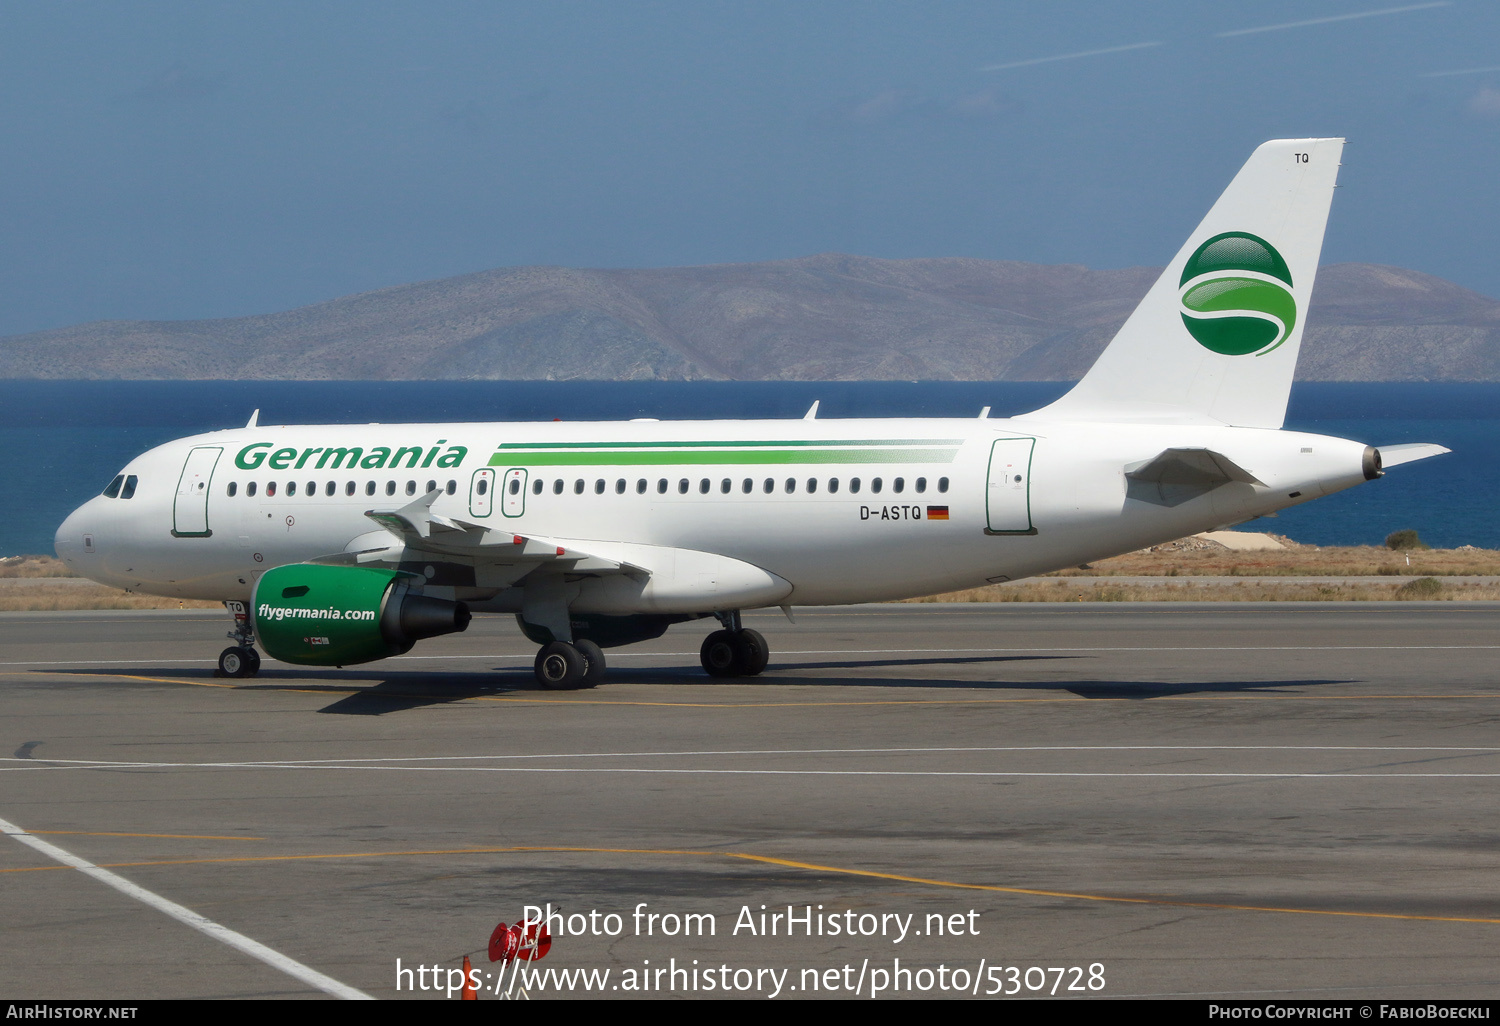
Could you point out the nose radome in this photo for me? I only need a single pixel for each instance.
(69, 542)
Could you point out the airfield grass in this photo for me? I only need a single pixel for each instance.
(1214, 574)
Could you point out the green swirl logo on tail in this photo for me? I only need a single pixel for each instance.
(1233, 299)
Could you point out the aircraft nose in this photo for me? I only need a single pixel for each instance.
(74, 536)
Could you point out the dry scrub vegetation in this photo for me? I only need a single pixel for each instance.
(43, 583)
(1193, 558)
(1263, 589)
(1217, 574)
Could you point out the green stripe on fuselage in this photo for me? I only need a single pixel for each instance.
(758, 444)
(532, 458)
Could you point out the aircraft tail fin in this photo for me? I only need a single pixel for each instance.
(1216, 338)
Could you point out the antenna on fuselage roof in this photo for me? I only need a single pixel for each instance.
(254, 420)
(812, 411)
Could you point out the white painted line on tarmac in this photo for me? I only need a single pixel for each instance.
(851, 651)
(275, 763)
(223, 934)
(358, 765)
(366, 768)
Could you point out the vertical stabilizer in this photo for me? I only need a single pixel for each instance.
(1216, 338)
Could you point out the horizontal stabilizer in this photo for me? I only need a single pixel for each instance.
(1175, 476)
(1408, 452)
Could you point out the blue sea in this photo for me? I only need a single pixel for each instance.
(62, 441)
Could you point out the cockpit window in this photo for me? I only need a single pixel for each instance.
(113, 491)
(128, 492)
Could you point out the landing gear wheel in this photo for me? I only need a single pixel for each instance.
(594, 656)
(238, 662)
(754, 653)
(721, 655)
(560, 666)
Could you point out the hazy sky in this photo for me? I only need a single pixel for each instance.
(180, 160)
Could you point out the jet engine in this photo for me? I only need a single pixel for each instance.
(339, 615)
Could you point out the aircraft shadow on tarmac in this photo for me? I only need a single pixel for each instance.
(359, 695)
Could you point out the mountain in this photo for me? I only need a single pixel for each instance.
(825, 317)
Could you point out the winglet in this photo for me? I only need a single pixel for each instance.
(254, 420)
(812, 411)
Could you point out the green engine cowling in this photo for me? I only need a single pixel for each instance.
(339, 615)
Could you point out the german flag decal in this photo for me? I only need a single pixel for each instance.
(937, 512)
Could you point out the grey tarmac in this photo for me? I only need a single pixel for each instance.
(1277, 800)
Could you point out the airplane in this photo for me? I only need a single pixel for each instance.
(334, 545)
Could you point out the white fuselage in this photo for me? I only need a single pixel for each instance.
(939, 504)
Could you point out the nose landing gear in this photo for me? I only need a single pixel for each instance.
(239, 662)
(240, 659)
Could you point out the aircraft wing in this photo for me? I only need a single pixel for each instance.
(457, 551)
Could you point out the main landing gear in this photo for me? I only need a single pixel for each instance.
(561, 666)
(735, 651)
(241, 659)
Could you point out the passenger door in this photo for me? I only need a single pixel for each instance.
(1008, 496)
(190, 506)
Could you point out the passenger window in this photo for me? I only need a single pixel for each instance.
(482, 486)
(921, 485)
(875, 485)
(833, 484)
(113, 490)
(682, 486)
(599, 486)
(250, 488)
(747, 486)
(232, 489)
(769, 486)
(128, 492)
(515, 486)
(536, 487)
(640, 486)
(899, 485)
(312, 489)
(291, 488)
(942, 484)
(791, 485)
(661, 487)
(349, 488)
(330, 488)
(619, 486)
(270, 489)
(369, 487)
(854, 485)
(725, 485)
(578, 487)
(812, 484)
(703, 486)
(432, 487)
(453, 486)
(411, 487)
(557, 486)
